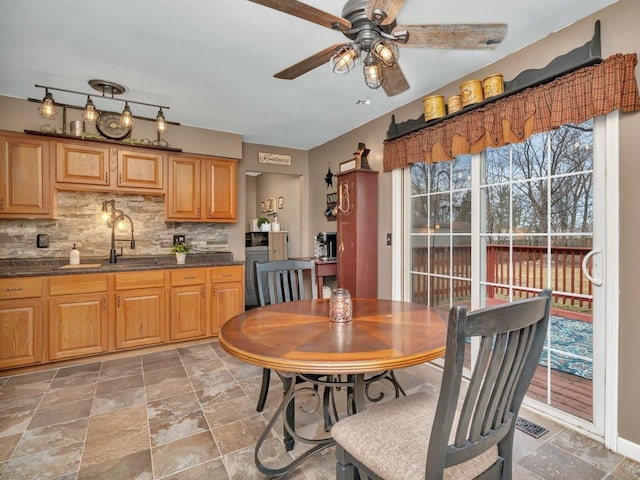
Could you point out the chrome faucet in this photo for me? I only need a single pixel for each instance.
(113, 256)
(116, 216)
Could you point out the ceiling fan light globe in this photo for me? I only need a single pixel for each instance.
(373, 75)
(344, 59)
(386, 52)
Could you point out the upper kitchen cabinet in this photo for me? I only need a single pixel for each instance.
(25, 182)
(87, 166)
(201, 189)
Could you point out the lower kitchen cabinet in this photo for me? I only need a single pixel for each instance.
(78, 316)
(20, 321)
(188, 303)
(140, 309)
(20, 332)
(77, 325)
(227, 295)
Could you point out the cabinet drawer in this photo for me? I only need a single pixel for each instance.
(72, 284)
(131, 280)
(20, 288)
(226, 274)
(189, 276)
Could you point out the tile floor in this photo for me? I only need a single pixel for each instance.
(189, 413)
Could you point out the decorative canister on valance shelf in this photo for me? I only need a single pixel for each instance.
(340, 306)
(454, 103)
(76, 128)
(493, 85)
(433, 107)
(471, 92)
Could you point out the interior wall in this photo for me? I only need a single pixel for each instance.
(250, 201)
(620, 34)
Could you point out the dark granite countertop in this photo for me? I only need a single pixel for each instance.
(58, 266)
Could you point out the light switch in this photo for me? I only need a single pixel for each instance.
(42, 240)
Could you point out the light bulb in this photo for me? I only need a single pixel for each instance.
(47, 108)
(126, 120)
(161, 123)
(386, 52)
(372, 72)
(90, 113)
(120, 225)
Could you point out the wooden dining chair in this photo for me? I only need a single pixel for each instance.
(284, 281)
(465, 433)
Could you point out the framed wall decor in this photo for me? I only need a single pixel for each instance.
(280, 203)
(270, 204)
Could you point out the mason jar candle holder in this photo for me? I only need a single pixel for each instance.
(340, 309)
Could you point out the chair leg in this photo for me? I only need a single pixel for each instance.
(344, 469)
(264, 389)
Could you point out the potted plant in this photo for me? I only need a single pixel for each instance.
(181, 250)
(263, 224)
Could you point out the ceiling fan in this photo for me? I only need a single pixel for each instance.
(371, 28)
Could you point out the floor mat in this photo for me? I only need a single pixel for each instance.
(571, 347)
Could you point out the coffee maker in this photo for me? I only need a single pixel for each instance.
(326, 245)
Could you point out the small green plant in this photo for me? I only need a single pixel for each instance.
(181, 248)
(262, 220)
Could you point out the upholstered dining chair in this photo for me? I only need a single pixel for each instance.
(465, 433)
(283, 280)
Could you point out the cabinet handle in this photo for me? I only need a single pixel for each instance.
(1, 203)
(202, 291)
(198, 211)
(118, 301)
(188, 277)
(104, 303)
(14, 289)
(119, 179)
(225, 275)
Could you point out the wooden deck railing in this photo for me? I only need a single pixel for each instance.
(529, 264)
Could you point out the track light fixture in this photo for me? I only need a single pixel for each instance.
(108, 91)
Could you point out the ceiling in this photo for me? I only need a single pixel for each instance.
(212, 61)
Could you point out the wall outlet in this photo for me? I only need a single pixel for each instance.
(179, 239)
(42, 240)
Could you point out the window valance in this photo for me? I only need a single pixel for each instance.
(572, 98)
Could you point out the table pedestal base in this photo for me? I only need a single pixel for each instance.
(357, 390)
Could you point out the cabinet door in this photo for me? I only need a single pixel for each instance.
(82, 164)
(24, 178)
(188, 307)
(227, 301)
(20, 332)
(140, 317)
(138, 169)
(183, 190)
(77, 325)
(221, 191)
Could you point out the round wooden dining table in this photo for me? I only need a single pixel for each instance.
(297, 339)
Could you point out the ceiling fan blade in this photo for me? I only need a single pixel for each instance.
(390, 7)
(307, 64)
(394, 81)
(472, 36)
(304, 11)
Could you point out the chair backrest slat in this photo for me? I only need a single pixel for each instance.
(284, 280)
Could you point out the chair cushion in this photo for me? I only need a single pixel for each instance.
(392, 439)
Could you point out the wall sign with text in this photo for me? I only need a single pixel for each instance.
(274, 159)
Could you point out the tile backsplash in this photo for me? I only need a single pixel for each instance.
(79, 221)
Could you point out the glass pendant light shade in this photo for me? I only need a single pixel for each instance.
(47, 108)
(126, 120)
(161, 123)
(344, 58)
(372, 72)
(90, 113)
(386, 52)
